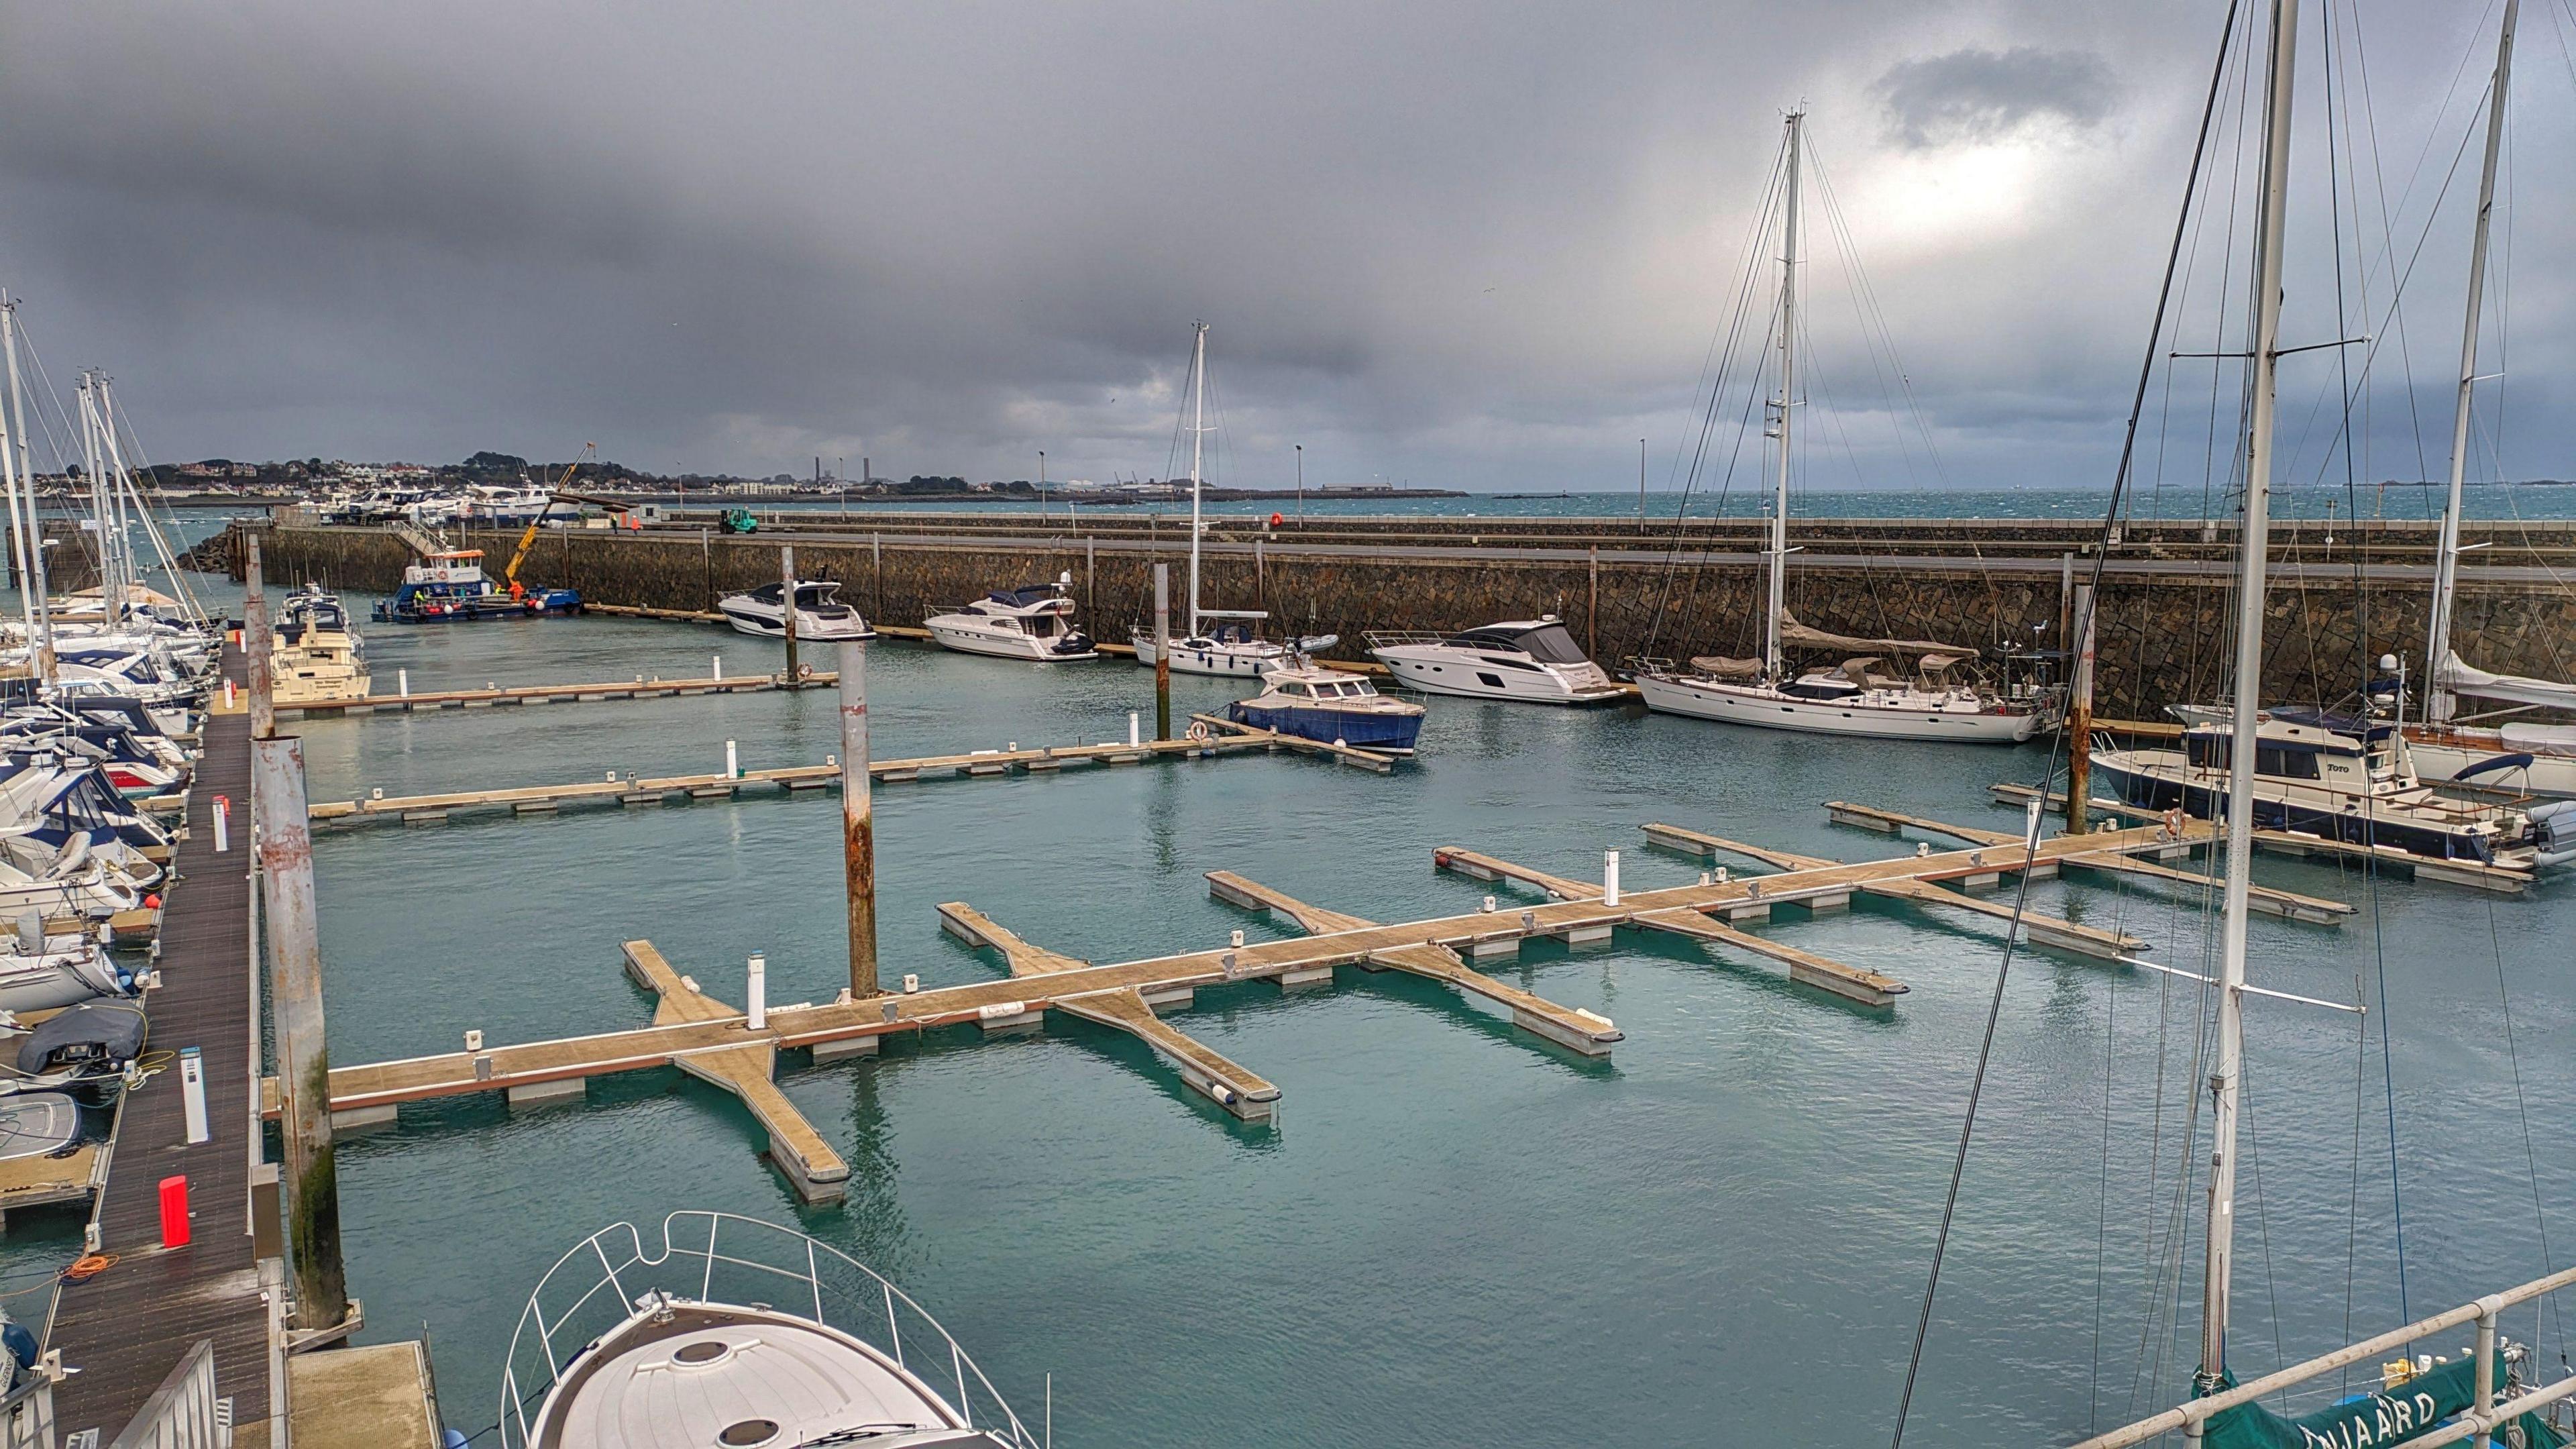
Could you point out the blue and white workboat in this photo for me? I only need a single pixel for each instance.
(1331, 707)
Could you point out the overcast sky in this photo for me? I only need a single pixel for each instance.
(1480, 246)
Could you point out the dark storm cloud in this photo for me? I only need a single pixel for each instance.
(1445, 242)
(1983, 95)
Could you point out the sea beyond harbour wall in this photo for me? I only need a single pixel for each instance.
(2340, 595)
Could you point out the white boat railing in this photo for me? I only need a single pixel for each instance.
(2479, 1422)
(735, 1259)
(185, 1412)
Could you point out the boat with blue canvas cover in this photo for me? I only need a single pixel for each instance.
(1331, 707)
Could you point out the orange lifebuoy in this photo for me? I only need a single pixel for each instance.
(1277, 519)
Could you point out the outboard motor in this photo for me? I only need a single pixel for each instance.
(2553, 829)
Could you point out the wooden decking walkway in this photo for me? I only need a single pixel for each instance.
(524, 694)
(2499, 879)
(129, 1326)
(2315, 910)
(1222, 741)
(712, 1040)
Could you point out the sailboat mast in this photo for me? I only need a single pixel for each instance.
(2439, 704)
(110, 593)
(2227, 1076)
(1788, 368)
(42, 640)
(1198, 430)
(17, 523)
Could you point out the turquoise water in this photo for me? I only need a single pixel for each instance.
(1453, 1233)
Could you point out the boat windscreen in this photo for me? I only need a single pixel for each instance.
(1550, 644)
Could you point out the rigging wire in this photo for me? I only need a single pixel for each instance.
(2021, 897)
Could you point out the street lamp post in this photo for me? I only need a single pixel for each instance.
(1301, 483)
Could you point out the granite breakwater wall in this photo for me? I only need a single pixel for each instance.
(2164, 610)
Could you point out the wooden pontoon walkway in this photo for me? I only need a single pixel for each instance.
(525, 694)
(128, 1327)
(2478, 874)
(1222, 741)
(693, 1031)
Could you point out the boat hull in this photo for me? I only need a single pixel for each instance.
(1460, 675)
(1386, 733)
(2150, 789)
(994, 645)
(2550, 773)
(808, 630)
(1763, 709)
(1231, 661)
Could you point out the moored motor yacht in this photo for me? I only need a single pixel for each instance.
(1330, 706)
(1034, 623)
(735, 1332)
(314, 656)
(820, 615)
(2338, 779)
(1531, 660)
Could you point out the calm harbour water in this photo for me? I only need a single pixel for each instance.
(1453, 1233)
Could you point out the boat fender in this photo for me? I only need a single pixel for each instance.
(152, 902)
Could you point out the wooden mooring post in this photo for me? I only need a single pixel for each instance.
(295, 1007)
(256, 639)
(1162, 651)
(2079, 719)
(787, 582)
(858, 821)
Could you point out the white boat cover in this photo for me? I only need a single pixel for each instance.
(2457, 677)
(2540, 737)
(1798, 636)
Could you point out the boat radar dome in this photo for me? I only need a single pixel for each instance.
(2387, 661)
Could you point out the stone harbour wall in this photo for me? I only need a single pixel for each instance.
(2163, 637)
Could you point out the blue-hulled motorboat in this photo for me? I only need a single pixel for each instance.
(1332, 707)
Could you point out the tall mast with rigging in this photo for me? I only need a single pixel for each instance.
(1198, 429)
(2439, 704)
(1786, 400)
(41, 637)
(2226, 1081)
(111, 592)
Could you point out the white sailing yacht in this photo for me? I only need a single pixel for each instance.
(2446, 745)
(2418, 1399)
(1232, 647)
(1920, 701)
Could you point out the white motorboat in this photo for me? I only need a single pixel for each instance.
(1534, 661)
(1033, 623)
(1855, 700)
(734, 1332)
(60, 972)
(820, 615)
(76, 878)
(1231, 647)
(37, 1124)
(2341, 779)
(314, 656)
